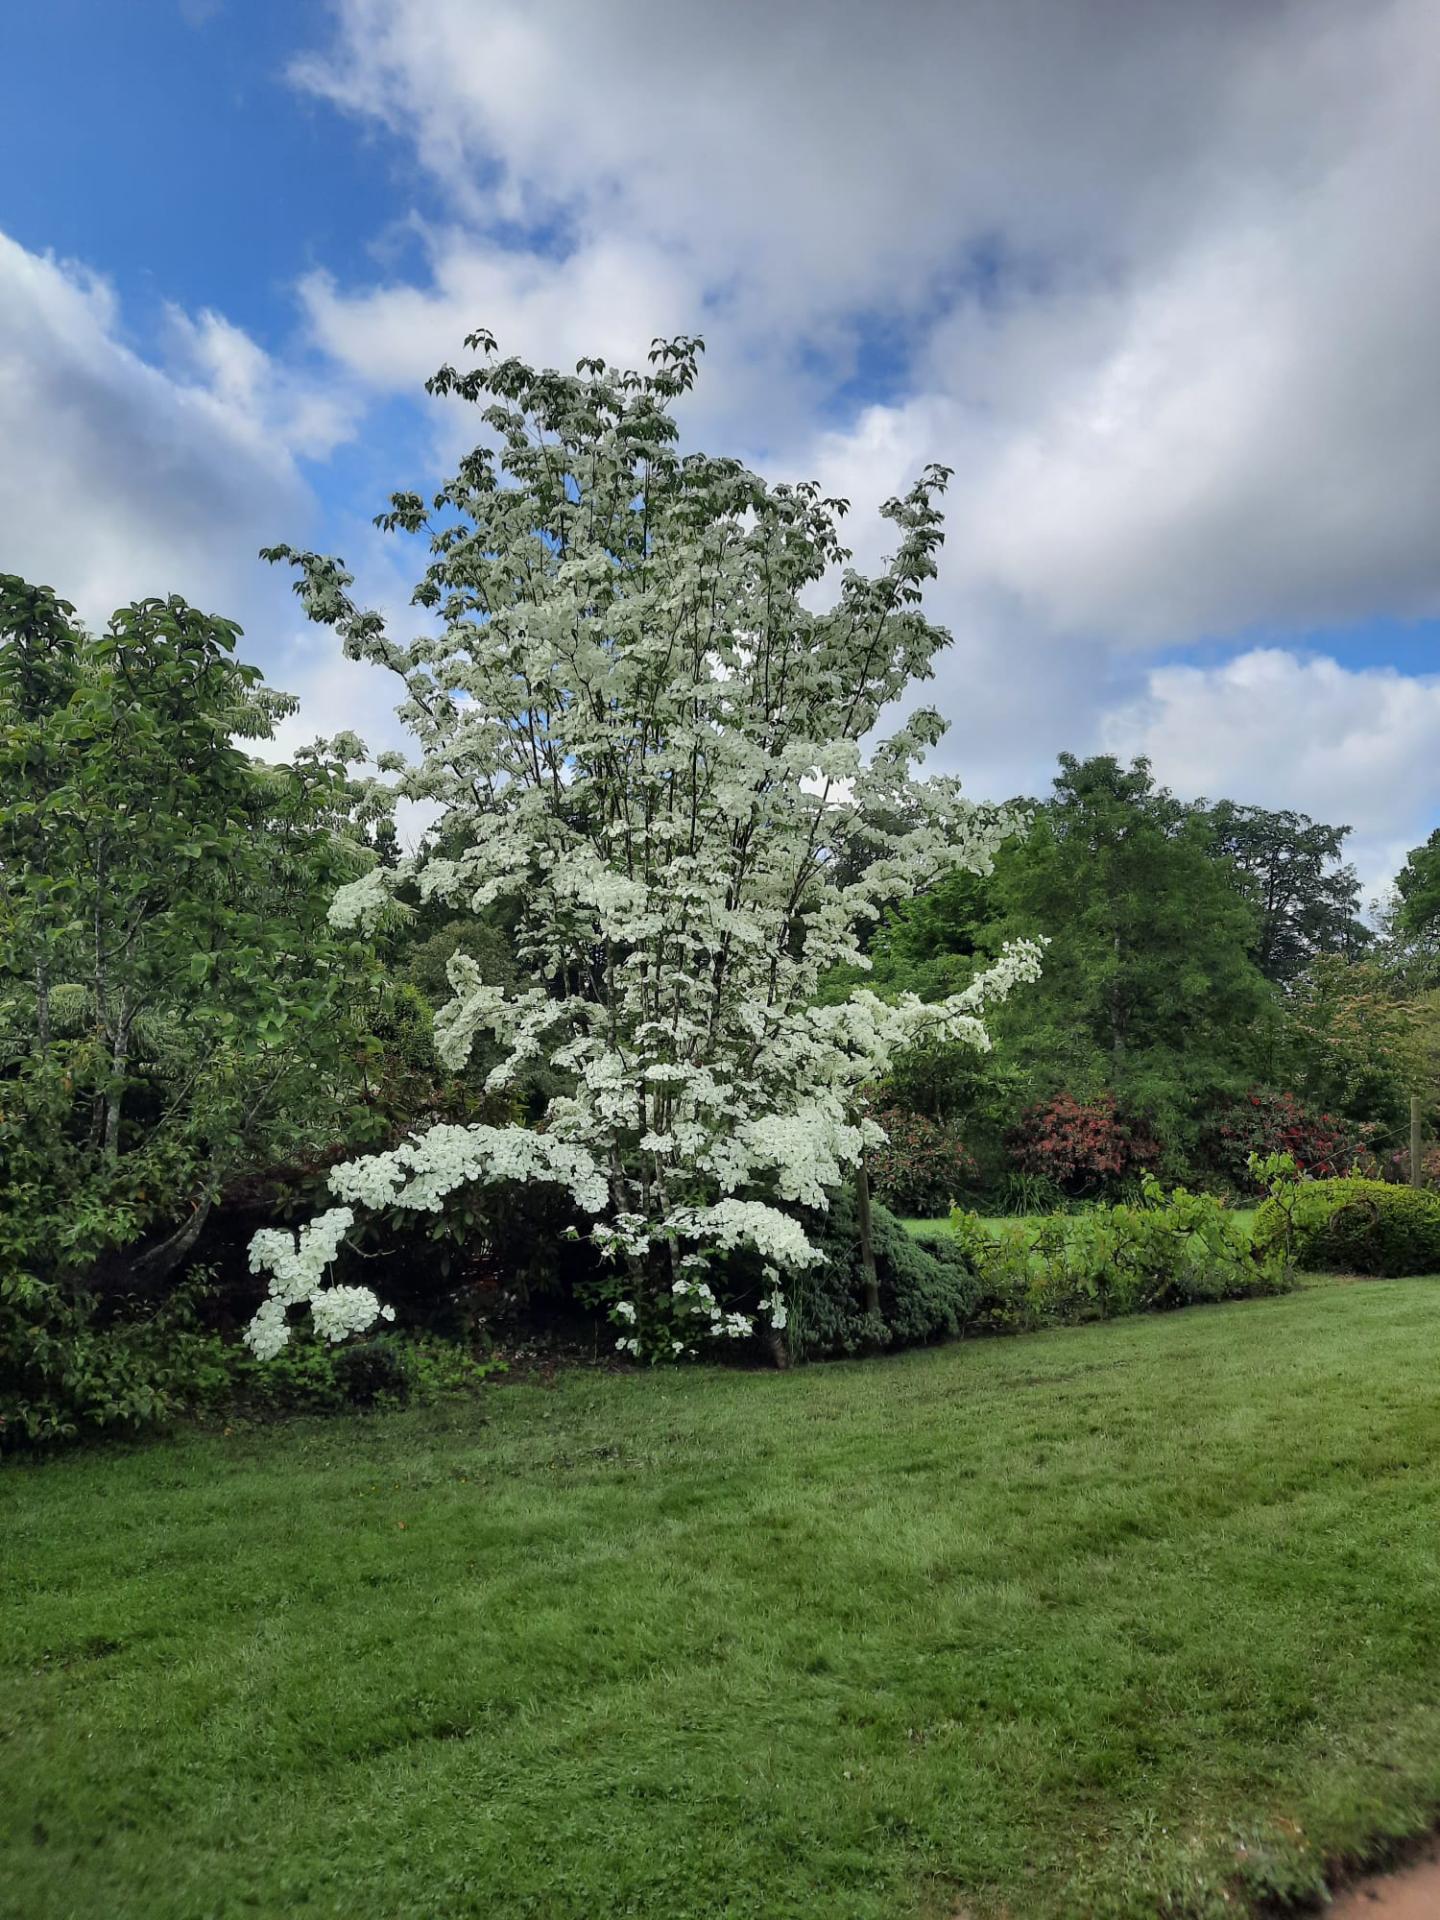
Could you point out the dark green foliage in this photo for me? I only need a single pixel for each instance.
(1150, 991)
(1417, 886)
(924, 1165)
(925, 1293)
(174, 1008)
(484, 941)
(76, 1367)
(367, 1371)
(1308, 904)
(311, 1376)
(1358, 1226)
(69, 1366)
(1171, 1249)
(526, 1240)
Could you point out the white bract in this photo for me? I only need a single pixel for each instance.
(638, 731)
(297, 1265)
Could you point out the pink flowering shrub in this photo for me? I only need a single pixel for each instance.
(1267, 1120)
(1082, 1146)
(923, 1166)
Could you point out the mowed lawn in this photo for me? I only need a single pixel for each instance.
(1123, 1620)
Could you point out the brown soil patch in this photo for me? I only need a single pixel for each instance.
(1410, 1893)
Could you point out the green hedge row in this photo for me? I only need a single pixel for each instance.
(1355, 1226)
(1172, 1249)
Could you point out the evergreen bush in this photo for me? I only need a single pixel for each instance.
(1358, 1226)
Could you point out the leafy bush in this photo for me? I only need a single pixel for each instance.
(71, 1366)
(311, 1376)
(923, 1166)
(67, 1366)
(1395, 1166)
(1082, 1146)
(925, 1291)
(1357, 1226)
(175, 1008)
(1027, 1193)
(1267, 1121)
(371, 1371)
(1172, 1249)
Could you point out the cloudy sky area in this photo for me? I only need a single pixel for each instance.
(1161, 283)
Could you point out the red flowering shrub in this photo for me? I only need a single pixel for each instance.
(1395, 1166)
(1082, 1146)
(923, 1167)
(1267, 1121)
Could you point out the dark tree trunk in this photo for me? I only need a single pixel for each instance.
(869, 1278)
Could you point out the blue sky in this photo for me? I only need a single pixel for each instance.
(1161, 285)
(164, 146)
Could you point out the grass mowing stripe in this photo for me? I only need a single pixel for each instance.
(1071, 1624)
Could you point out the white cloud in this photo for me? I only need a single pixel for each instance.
(264, 401)
(611, 299)
(1164, 281)
(1275, 728)
(122, 479)
(814, 157)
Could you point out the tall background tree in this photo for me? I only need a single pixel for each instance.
(1293, 868)
(173, 1004)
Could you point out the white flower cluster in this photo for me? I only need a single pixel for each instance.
(422, 1172)
(339, 1311)
(296, 1264)
(361, 903)
(730, 1223)
(699, 1298)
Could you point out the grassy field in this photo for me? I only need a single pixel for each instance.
(1110, 1621)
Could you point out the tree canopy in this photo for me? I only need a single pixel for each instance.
(640, 732)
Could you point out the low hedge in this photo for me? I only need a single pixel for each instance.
(926, 1293)
(1170, 1249)
(1356, 1226)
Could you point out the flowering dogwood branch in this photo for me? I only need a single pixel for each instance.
(636, 728)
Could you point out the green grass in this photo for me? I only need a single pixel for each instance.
(1108, 1621)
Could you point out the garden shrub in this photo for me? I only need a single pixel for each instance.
(1267, 1121)
(1357, 1226)
(1395, 1165)
(312, 1376)
(1172, 1249)
(923, 1167)
(367, 1371)
(72, 1366)
(925, 1291)
(68, 1365)
(1082, 1146)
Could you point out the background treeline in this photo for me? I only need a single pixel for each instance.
(1210, 990)
(186, 1044)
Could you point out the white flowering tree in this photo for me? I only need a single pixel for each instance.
(636, 726)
